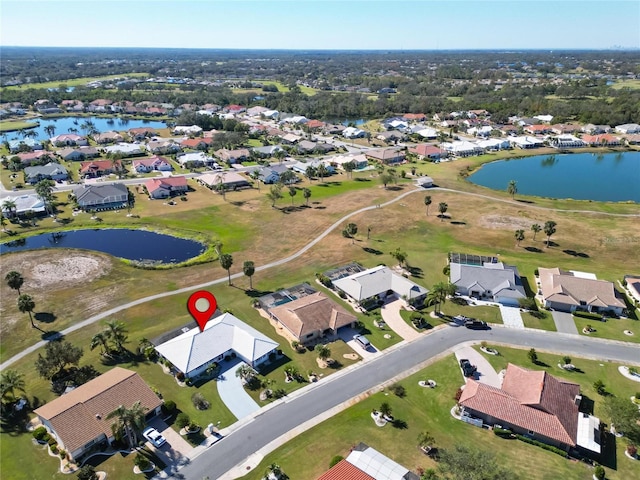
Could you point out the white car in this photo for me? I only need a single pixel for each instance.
(154, 436)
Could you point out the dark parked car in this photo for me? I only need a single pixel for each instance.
(476, 324)
(467, 369)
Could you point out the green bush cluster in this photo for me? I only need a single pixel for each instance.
(589, 315)
(335, 460)
(542, 445)
(502, 432)
(39, 433)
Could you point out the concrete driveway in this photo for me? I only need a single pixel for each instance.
(485, 373)
(175, 452)
(564, 322)
(346, 334)
(511, 317)
(391, 315)
(232, 393)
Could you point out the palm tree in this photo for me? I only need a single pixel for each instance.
(306, 193)
(425, 441)
(549, 229)
(385, 409)
(351, 229)
(427, 202)
(10, 206)
(323, 352)
(512, 188)
(287, 177)
(50, 130)
(274, 471)
(116, 332)
(535, 228)
(248, 268)
(519, 235)
(292, 192)
(128, 420)
(322, 171)
(255, 176)
(44, 190)
(14, 280)
(10, 381)
(275, 194)
(221, 187)
(438, 294)
(310, 172)
(3, 221)
(245, 372)
(100, 339)
(349, 167)
(26, 305)
(442, 208)
(226, 260)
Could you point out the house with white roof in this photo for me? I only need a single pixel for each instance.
(526, 142)
(360, 161)
(462, 148)
(380, 282)
(628, 128)
(197, 158)
(194, 351)
(16, 145)
(23, 204)
(567, 141)
(187, 129)
(353, 132)
(124, 149)
(493, 144)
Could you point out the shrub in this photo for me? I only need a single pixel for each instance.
(279, 393)
(182, 420)
(398, 390)
(87, 472)
(599, 387)
(528, 303)
(335, 460)
(199, 401)
(589, 315)
(415, 316)
(566, 360)
(502, 432)
(62, 454)
(51, 441)
(544, 446)
(193, 426)
(41, 431)
(141, 462)
(168, 406)
(599, 473)
(632, 450)
(180, 376)
(54, 449)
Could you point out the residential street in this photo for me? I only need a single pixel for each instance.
(279, 420)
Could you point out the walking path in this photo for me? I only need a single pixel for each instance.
(233, 394)
(486, 373)
(564, 322)
(391, 316)
(511, 317)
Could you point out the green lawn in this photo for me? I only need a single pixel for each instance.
(613, 328)
(428, 409)
(74, 82)
(545, 323)
(11, 125)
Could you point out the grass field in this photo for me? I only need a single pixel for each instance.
(10, 126)
(633, 84)
(425, 409)
(74, 82)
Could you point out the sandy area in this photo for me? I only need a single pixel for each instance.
(505, 222)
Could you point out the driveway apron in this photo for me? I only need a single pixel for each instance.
(175, 451)
(564, 322)
(486, 373)
(391, 316)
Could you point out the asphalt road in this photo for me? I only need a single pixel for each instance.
(248, 439)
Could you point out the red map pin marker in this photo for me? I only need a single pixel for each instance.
(201, 306)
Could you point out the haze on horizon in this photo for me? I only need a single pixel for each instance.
(323, 24)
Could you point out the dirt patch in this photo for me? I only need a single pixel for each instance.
(504, 222)
(351, 356)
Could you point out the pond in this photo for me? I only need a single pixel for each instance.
(137, 245)
(610, 177)
(102, 124)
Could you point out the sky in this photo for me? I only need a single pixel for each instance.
(323, 24)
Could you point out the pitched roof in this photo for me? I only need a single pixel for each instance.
(169, 183)
(565, 287)
(194, 348)
(343, 470)
(426, 149)
(80, 415)
(497, 278)
(532, 400)
(366, 284)
(312, 313)
(98, 193)
(213, 179)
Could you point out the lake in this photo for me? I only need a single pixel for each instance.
(102, 124)
(610, 177)
(137, 245)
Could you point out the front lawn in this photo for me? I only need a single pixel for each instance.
(544, 323)
(613, 328)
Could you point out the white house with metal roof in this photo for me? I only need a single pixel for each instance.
(194, 351)
(491, 281)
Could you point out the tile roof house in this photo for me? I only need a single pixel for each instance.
(50, 171)
(146, 165)
(426, 150)
(633, 285)
(568, 291)
(200, 143)
(124, 149)
(166, 187)
(378, 281)
(69, 140)
(366, 463)
(102, 197)
(99, 168)
(78, 419)
(230, 180)
(311, 316)
(387, 155)
(232, 156)
(601, 139)
(28, 157)
(75, 154)
(108, 137)
(495, 282)
(535, 404)
(141, 133)
(193, 351)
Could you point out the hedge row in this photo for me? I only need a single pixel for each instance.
(589, 315)
(550, 448)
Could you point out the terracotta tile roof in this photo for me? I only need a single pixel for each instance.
(80, 415)
(170, 183)
(604, 138)
(534, 401)
(426, 149)
(315, 124)
(414, 116)
(344, 470)
(194, 142)
(315, 312)
(100, 165)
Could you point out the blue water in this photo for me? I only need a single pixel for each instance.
(612, 177)
(136, 245)
(102, 124)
